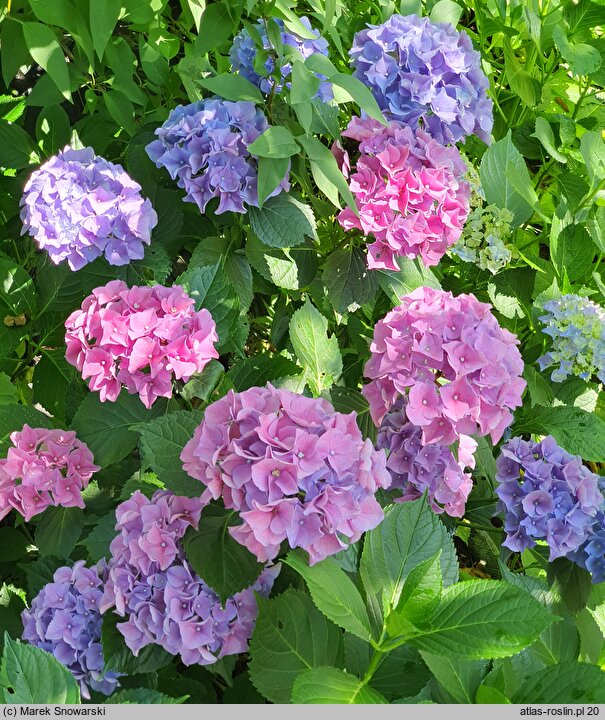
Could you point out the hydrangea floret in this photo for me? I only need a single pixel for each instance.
(448, 356)
(43, 468)
(547, 494)
(140, 338)
(151, 584)
(577, 328)
(204, 147)
(432, 468)
(79, 206)
(64, 619)
(294, 469)
(425, 72)
(258, 65)
(409, 191)
(591, 556)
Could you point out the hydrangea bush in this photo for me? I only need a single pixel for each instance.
(302, 353)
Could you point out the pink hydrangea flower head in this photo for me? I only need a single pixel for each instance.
(140, 338)
(408, 189)
(151, 585)
(295, 470)
(44, 468)
(448, 356)
(416, 468)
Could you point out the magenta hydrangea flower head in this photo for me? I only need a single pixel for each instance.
(409, 191)
(416, 468)
(458, 369)
(140, 338)
(547, 494)
(64, 619)
(43, 468)
(79, 206)
(425, 72)
(204, 147)
(294, 469)
(151, 584)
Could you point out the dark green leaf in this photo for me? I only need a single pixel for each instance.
(44, 48)
(564, 683)
(58, 531)
(282, 222)
(347, 280)
(215, 28)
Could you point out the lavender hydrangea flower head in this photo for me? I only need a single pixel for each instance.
(420, 71)
(459, 370)
(591, 556)
(204, 147)
(416, 468)
(577, 328)
(244, 57)
(293, 468)
(547, 494)
(64, 619)
(151, 584)
(79, 206)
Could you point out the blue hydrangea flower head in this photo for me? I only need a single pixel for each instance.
(577, 328)
(204, 147)
(591, 556)
(243, 57)
(425, 72)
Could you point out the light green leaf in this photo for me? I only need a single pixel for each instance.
(546, 136)
(322, 159)
(103, 18)
(564, 683)
(288, 269)
(44, 48)
(232, 87)
(359, 94)
(215, 27)
(583, 59)
(271, 172)
(396, 284)
(446, 11)
(283, 222)
(592, 147)
(121, 109)
(460, 678)
(327, 685)
(276, 142)
(143, 696)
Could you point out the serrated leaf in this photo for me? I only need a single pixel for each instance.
(347, 279)
(118, 657)
(563, 683)
(327, 685)
(460, 678)
(58, 531)
(260, 369)
(282, 222)
(396, 284)
(288, 269)
(144, 696)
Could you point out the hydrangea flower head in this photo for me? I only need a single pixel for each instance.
(459, 370)
(408, 190)
(79, 206)
(591, 556)
(548, 495)
(244, 57)
(204, 147)
(577, 328)
(432, 468)
(151, 584)
(140, 338)
(293, 468)
(420, 71)
(64, 619)
(43, 468)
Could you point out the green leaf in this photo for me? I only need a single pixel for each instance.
(482, 619)
(52, 378)
(573, 252)
(540, 390)
(305, 84)
(232, 87)
(410, 534)
(58, 531)
(334, 594)
(288, 269)
(144, 696)
(52, 129)
(8, 392)
(317, 353)
(327, 685)
(14, 417)
(162, 441)
(260, 369)
(282, 222)
(12, 605)
(29, 675)
(411, 276)
(583, 59)
(39, 572)
(106, 427)
(520, 81)
(13, 543)
(97, 542)
(459, 678)
(17, 149)
(229, 567)
(592, 147)
(17, 291)
(203, 385)
(546, 136)
(446, 11)
(44, 48)
(118, 657)
(329, 178)
(347, 280)
(276, 142)
(577, 431)
(359, 94)
(215, 27)
(290, 636)
(120, 108)
(496, 182)
(103, 18)
(271, 172)
(563, 683)
(346, 400)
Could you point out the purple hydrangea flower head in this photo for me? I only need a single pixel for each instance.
(243, 57)
(141, 338)
(151, 584)
(416, 468)
(591, 556)
(547, 494)
(42, 468)
(64, 619)
(408, 191)
(577, 328)
(426, 72)
(79, 206)
(204, 147)
(459, 370)
(294, 469)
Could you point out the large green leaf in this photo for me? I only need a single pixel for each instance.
(282, 222)
(143, 696)
(17, 291)
(460, 678)
(103, 18)
(396, 284)
(258, 370)
(327, 685)
(568, 682)
(215, 27)
(17, 149)
(290, 636)
(29, 675)
(290, 269)
(97, 542)
(58, 531)
(232, 87)
(118, 657)
(13, 417)
(347, 279)
(276, 142)
(44, 48)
